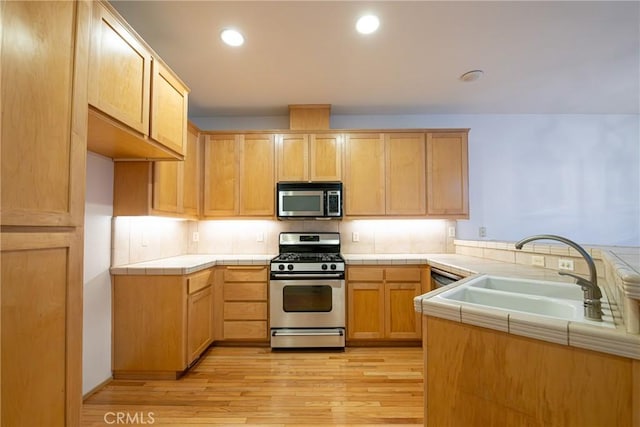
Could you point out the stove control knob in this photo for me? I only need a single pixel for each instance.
(290, 267)
(281, 267)
(324, 266)
(333, 266)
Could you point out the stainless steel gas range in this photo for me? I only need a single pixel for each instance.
(307, 292)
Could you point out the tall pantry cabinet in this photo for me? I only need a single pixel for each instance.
(44, 63)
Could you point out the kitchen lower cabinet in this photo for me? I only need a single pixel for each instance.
(501, 379)
(41, 339)
(161, 324)
(241, 304)
(380, 303)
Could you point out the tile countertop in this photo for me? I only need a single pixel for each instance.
(187, 264)
(608, 340)
(592, 337)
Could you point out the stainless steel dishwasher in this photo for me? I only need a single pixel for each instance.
(440, 278)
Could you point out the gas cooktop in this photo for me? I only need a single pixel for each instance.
(308, 257)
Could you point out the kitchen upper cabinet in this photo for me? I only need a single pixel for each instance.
(176, 184)
(405, 174)
(309, 157)
(44, 113)
(191, 171)
(43, 70)
(239, 175)
(161, 324)
(168, 108)
(385, 174)
(139, 106)
(165, 188)
(447, 175)
(240, 301)
(364, 174)
(380, 302)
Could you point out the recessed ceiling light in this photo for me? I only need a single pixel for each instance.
(232, 37)
(471, 76)
(367, 24)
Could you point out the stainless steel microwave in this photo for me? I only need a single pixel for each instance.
(309, 200)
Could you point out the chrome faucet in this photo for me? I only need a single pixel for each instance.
(592, 293)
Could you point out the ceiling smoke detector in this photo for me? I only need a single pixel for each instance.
(471, 76)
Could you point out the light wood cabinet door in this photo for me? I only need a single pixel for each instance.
(149, 324)
(405, 174)
(364, 174)
(293, 157)
(167, 187)
(239, 175)
(366, 310)
(401, 320)
(199, 323)
(44, 113)
(447, 175)
(41, 329)
(120, 72)
(221, 186)
(169, 106)
(191, 174)
(309, 157)
(257, 175)
(325, 162)
(380, 302)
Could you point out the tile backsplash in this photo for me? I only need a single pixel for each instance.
(137, 239)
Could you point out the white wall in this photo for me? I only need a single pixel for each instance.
(96, 340)
(573, 175)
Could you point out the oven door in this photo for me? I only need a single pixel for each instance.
(307, 303)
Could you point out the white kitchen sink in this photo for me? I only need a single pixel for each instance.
(544, 298)
(529, 287)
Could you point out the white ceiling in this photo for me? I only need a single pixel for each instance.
(542, 57)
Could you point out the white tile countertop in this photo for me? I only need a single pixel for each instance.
(615, 340)
(187, 264)
(608, 340)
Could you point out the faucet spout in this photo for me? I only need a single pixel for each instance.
(592, 293)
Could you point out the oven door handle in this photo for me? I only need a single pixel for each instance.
(306, 332)
(276, 276)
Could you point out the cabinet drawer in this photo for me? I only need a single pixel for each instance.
(245, 311)
(245, 292)
(198, 281)
(395, 274)
(254, 330)
(364, 274)
(245, 274)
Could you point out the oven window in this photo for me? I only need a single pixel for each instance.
(316, 298)
(299, 203)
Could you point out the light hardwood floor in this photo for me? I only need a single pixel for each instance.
(255, 386)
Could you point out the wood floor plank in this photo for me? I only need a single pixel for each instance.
(256, 386)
